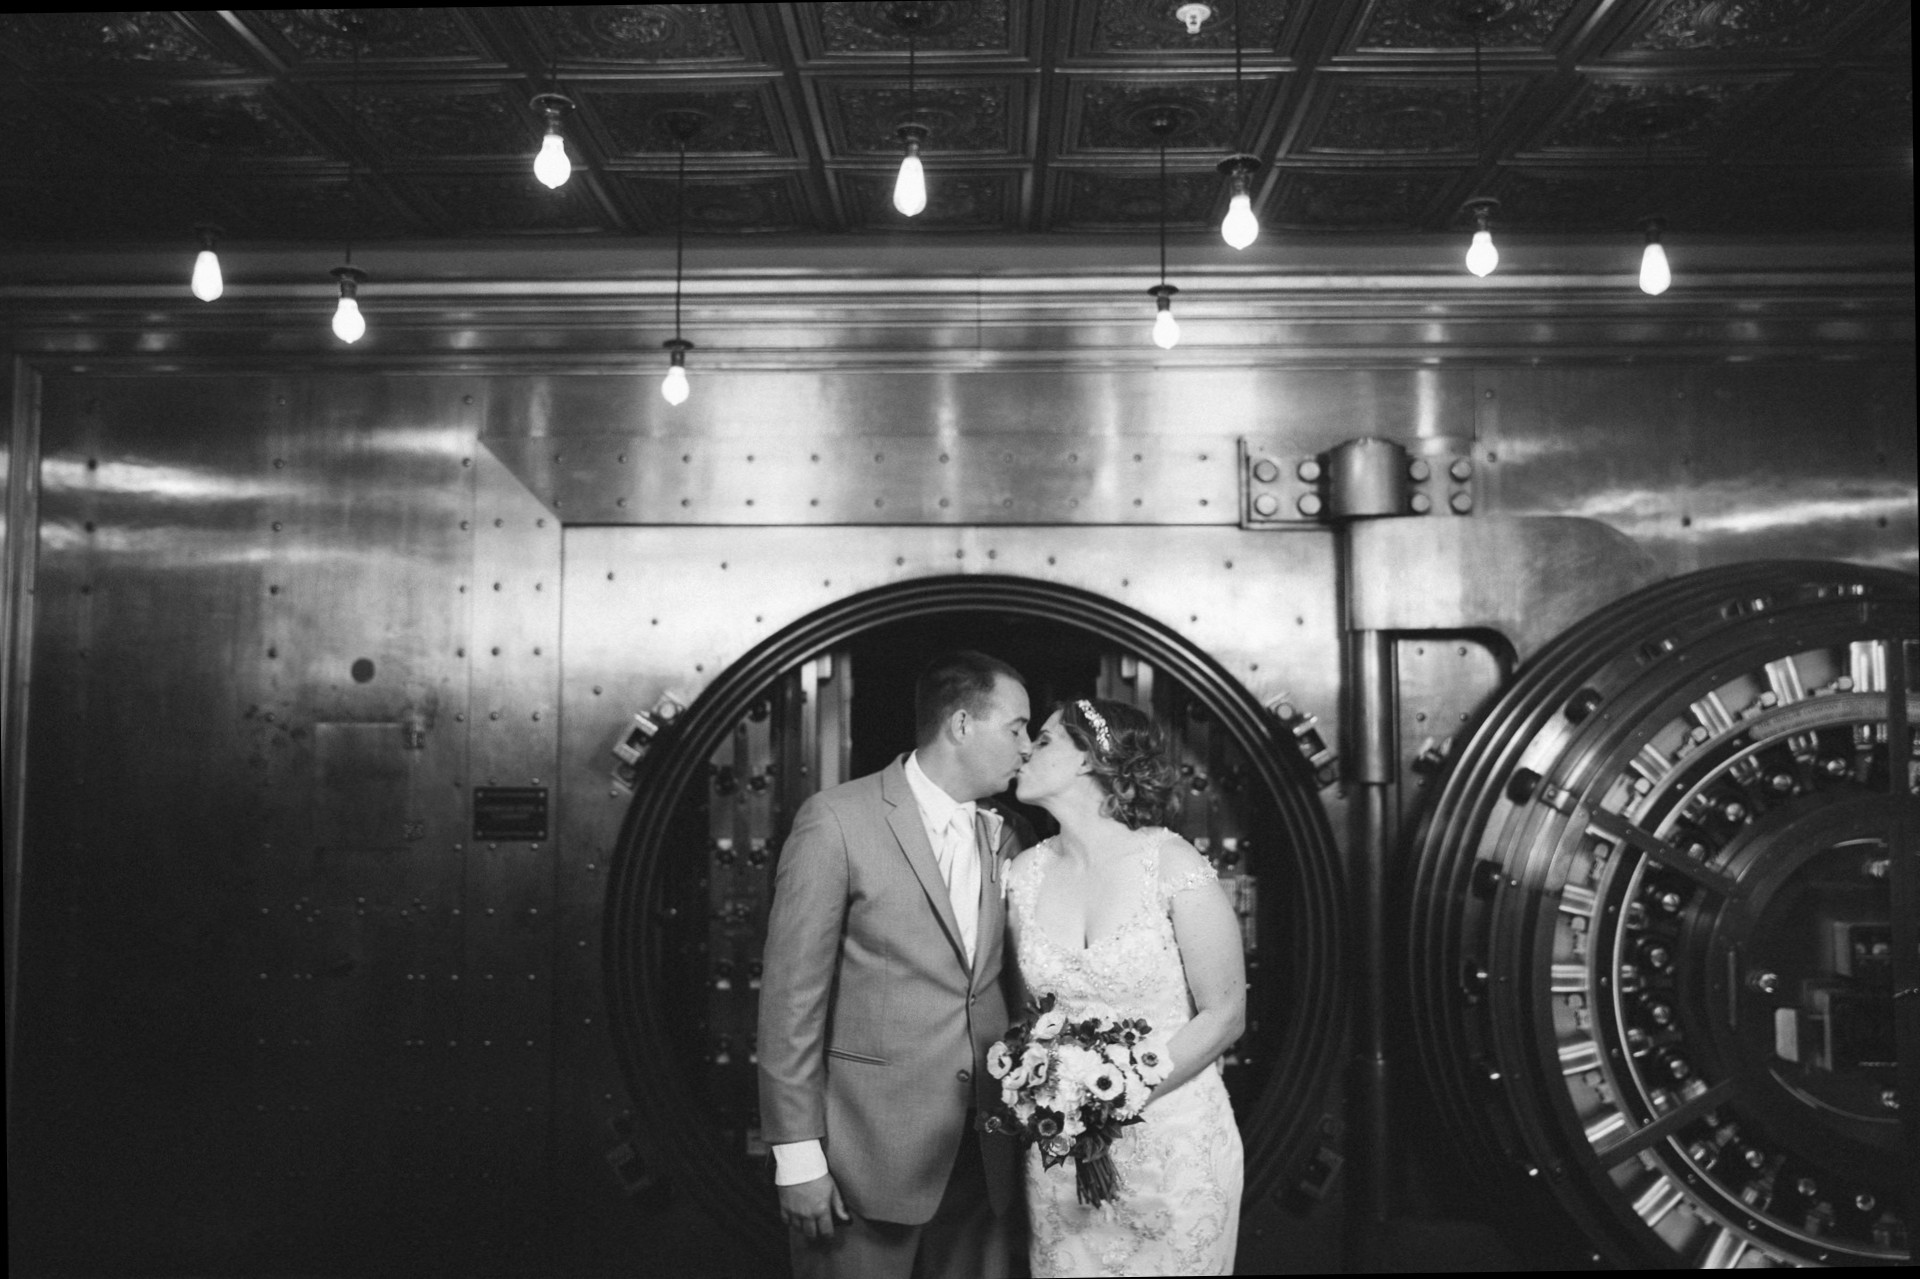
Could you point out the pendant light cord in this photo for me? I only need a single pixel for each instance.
(1163, 210)
(1479, 126)
(1239, 102)
(679, 234)
(353, 129)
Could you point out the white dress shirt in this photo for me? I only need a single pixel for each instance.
(950, 830)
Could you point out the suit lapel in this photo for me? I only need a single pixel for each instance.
(911, 831)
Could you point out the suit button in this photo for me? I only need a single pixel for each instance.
(966, 1076)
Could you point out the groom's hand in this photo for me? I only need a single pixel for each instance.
(812, 1206)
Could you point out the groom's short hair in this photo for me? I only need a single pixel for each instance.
(960, 680)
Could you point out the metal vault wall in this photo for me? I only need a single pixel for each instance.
(275, 1003)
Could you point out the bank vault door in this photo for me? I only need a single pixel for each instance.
(687, 917)
(1662, 907)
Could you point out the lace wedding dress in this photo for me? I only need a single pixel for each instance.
(1178, 1212)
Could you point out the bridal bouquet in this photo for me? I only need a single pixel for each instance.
(1069, 1083)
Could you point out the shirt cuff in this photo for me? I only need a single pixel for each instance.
(798, 1161)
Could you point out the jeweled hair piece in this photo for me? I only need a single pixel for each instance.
(1101, 732)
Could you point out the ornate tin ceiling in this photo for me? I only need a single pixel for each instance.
(1723, 116)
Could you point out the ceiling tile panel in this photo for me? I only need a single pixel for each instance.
(379, 35)
(106, 41)
(718, 205)
(1810, 200)
(1116, 115)
(1663, 115)
(1120, 27)
(1778, 26)
(325, 210)
(1859, 115)
(841, 30)
(635, 121)
(977, 116)
(1356, 199)
(1399, 116)
(200, 128)
(507, 204)
(1585, 199)
(955, 202)
(1411, 26)
(657, 33)
(453, 123)
(1094, 200)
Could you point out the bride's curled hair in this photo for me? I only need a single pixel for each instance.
(1129, 760)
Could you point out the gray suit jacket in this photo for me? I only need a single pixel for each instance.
(873, 1033)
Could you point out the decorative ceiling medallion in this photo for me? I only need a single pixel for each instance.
(730, 122)
(967, 118)
(1684, 25)
(382, 34)
(1136, 26)
(641, 32)
(1452, 24)
(963, 26)
(1113, 116)
(1357, 200)
(1166, 120)
(1639, 115)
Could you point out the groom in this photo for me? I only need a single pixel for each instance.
(882, 994)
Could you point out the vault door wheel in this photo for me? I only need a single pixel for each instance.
(1653, 924)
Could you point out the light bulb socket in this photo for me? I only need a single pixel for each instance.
(1482, 210)
(350, 278)
(1164, 295)
(207, 234)
(1239, 171)
(912, 135)
(553, 105)
(677, 349)
(1654, 227)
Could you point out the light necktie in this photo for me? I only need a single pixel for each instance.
(960, 867)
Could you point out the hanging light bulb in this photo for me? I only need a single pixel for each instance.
(551, 166)
(1482, 256)
(1655, 273)
(1166, 329)
(208, 284)
(1240, 228)
(348, 324)
(674, 386)
(910, 188)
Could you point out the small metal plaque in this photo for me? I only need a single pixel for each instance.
(510, 813)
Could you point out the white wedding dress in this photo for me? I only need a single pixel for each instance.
(1178, 1211)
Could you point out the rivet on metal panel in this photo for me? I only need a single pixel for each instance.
(943, 459)
(273, 590)
(620, 457)
(536, 651)
(1461, 502)
(1489, 393)
(459, 717)
(1203, 501)
(1050, 559)
(493, 714)
(1419, 503)
(466, 461)
(496, 650)
(276, 526)
(879, 502)
(1418, 470)
(542, 523)
(1309, 471)
(1462, 469)
(498, 523)
(944, 503)
(596, 690)
(272, 652)
(1229, 563)
(536, 715)
(1265, 505)
(1309, 504)
(1138, 502)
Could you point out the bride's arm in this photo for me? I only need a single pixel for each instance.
(1208, 933)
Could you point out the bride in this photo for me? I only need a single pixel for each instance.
(1117, 909)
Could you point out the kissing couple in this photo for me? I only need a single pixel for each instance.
(906, 921)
